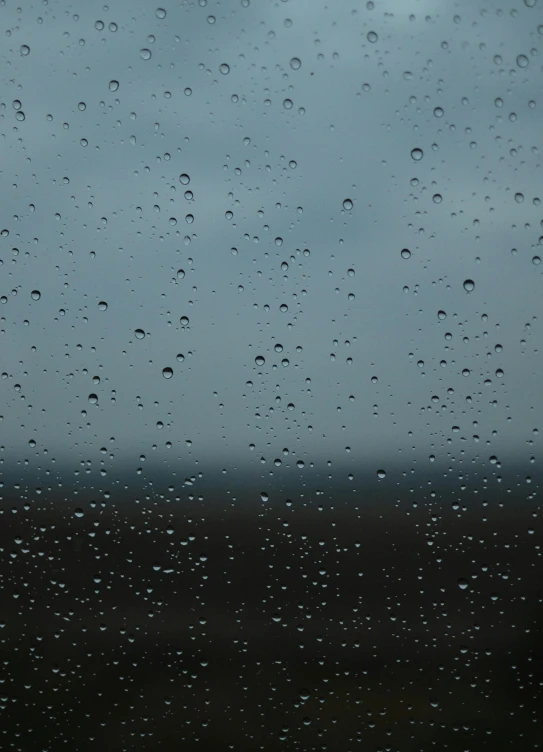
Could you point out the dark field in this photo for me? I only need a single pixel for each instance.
(221, 624)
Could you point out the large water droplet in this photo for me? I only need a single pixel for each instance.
(417, 154)
(167, 372)
(469, 285)
(347, 204)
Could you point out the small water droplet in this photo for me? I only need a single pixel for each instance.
(372, 37)
(224, 69)
(140, 334)
(381, 474)
(79, 512)
(160, 13)
(167, 372)
(180, 273)
(184, 178)
(522, 61)
(441, 315)
(347, 204)
(25, 50)
(259, 360)
(184, 320)
(264, 496)
(113, 85)
(469, 285)
(463, 584)
(102, 305)
(536, 260)
(406, 253)
(145, 54)
(35, 294)
(417, 154)
(295, 63)
(93, 399)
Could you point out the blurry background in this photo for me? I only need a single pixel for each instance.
(270, 338)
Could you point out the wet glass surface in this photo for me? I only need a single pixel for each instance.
(270, 332)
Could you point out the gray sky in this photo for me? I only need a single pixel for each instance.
(282, 146)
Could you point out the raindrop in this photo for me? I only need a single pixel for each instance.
(93, 399)
(184, 320)
(406, 253)
(417, 154)
(295, 63)
(259, 360)
(438, 112)
(145, 54)
(463, 584)
(536, 260)
(372, 37)
(140, 334)
(224, 68)
(160, 13)
(347, 204)
(167, 373)
(381, 474)
(522, 61)
(35, 294)
(264, 496)
(102, 305)
(25, 50)
(184, 178)
(469, 285)
(287, 104)
(79, 512)
(519, 198)
(437, 198)
(180, 273)
(113, 85)
(441, 315)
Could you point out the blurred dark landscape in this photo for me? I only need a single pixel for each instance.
(389, 616)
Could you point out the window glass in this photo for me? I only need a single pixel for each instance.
(270, 332)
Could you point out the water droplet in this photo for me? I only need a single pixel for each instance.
(93, 399)
(372, 37)
(160, 13)
(264, 496)
(25, 50)
(145, 54)
(519, 198)
(522, 61)
(347, 204)
(438, 112)
(441, 315)
(224, 69)
(79, 512)
(259, 360)
(184, 178)
(295, 63)
(113, 85)
(102, 305)
(463, 584)
(184, 320)
(167, 372)
(287, 104)
(536, 260)
(437, 198)
(140, 334)
(35, 294)
(381, 474)
(469, 285)
(406, 253)
(417, 154)
(99, 25)
(180, 273)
